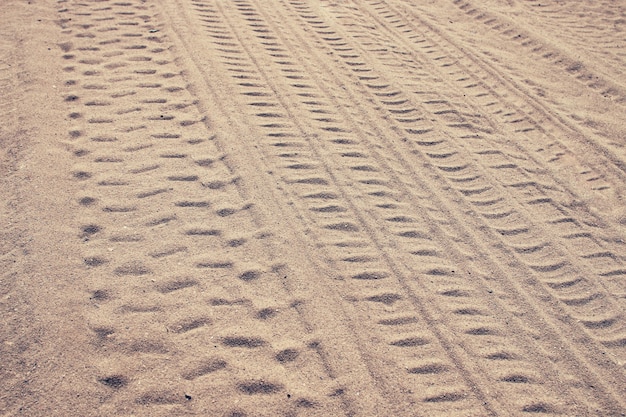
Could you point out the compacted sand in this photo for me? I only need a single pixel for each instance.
(312, 208)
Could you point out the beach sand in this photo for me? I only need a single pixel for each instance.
(312, 208)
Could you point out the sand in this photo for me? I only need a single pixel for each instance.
(312, 208)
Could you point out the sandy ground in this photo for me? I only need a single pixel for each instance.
(312, 208)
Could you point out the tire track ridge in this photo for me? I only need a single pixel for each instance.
(333, 179)
(362, 221)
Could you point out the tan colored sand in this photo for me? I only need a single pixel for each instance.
(312, 208)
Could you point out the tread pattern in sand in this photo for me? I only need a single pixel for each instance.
(500, 184)
(184, 300)
(314, 208)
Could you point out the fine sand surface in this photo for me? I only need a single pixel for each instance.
(312, 208)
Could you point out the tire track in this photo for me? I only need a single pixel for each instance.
(277, 115)
(350, 227)
(195, 200)
(506, 114)
(612, 341)
(175, 307)
(340, 227)
(610, 155)
(557, 218)
(589, 25)
(512, 164)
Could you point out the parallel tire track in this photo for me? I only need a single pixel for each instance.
(507, 165)
(313, 208)
(246, 70)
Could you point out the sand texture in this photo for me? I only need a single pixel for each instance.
(312, 208)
